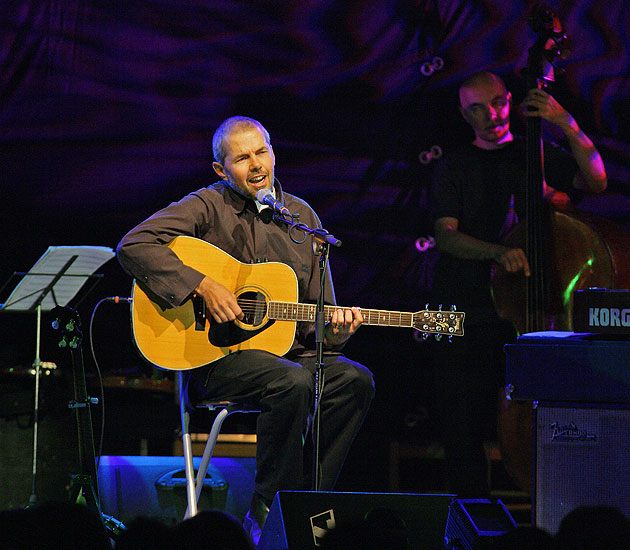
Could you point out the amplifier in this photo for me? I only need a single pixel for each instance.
(602, 311)
(582, 457)
(566, 366)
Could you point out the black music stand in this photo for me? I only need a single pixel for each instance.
(53, 281)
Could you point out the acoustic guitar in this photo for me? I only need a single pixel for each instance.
(183, 338)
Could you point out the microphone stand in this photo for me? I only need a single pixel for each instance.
(324, 240)
(320, 323)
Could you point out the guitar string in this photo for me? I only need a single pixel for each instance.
(252, 306)
(250, 302)
(256, 303)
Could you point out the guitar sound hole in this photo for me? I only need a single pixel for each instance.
(254, 307)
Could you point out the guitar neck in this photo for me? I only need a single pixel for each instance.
(287, 311)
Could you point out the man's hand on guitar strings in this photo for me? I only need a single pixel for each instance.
(343, 324)
(220, 302)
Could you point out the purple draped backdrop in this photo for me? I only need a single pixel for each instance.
(107, 110)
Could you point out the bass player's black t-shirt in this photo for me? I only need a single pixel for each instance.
(482, 189)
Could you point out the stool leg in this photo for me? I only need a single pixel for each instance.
(191, 510)
(210, 445)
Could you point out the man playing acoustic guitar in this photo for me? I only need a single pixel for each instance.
(227, 215)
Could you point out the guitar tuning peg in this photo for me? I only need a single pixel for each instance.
(425, 336)
(438, 337)
(453, 308)
(450, 339)
(426, 306)
(439, 312)
(74, 343)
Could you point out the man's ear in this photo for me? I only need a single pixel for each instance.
(218, 168)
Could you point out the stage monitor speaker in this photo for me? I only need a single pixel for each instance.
(298, 520)
(473, 524)
(153, 487)
(582, 457)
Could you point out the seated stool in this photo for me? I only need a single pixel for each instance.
(223, 409)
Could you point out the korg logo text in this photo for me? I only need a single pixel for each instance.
(608, 317)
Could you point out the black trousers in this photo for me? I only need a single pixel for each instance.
(468, 375)
(283, 390)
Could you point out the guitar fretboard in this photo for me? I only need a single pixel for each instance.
(287, 311)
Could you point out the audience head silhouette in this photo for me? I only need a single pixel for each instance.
(594, 528)
(51, 526)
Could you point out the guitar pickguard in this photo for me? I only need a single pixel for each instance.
(225, 335)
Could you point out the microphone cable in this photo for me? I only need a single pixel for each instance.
(116, 300)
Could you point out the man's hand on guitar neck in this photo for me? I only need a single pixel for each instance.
(220, 302)
(343, 324)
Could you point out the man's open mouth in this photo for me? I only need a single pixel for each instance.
(257, 180)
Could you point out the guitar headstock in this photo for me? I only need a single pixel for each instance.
(68, 323)
(439, 323)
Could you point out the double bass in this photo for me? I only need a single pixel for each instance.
(567, 250)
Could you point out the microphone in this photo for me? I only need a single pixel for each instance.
(265, 196)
